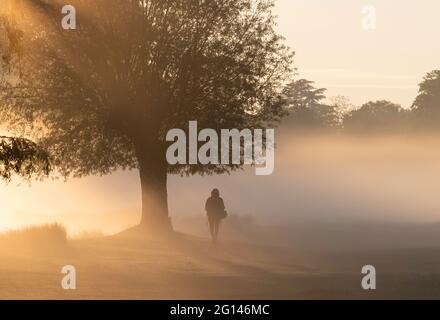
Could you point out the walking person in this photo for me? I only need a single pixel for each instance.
(215, 210)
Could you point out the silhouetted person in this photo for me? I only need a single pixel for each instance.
(215, 210)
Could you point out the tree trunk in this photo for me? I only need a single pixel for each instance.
(153, 177)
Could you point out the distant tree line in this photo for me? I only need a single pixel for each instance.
(307, 108)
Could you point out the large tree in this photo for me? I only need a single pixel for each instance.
(102, 97)
(376, 116)
(306, 107)
(18, 156)
(426, 106)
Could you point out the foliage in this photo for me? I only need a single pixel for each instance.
(426, 106)
(22, 157)
(375, 116)
(304, 103)
(104, 95)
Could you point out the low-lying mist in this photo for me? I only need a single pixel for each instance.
(331, 191)
(325, 185)
(334, 204)
(331, 177)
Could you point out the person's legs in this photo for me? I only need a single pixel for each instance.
(212, 228)
(216, 228)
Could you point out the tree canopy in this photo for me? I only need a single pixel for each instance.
(22, 157)
(426, 106)
(305, 105)
(376, 116)
(102, 97)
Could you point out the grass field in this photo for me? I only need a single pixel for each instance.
(131, 265)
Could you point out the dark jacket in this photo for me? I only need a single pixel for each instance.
(214, 207)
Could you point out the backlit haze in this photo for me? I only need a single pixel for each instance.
(316, 177)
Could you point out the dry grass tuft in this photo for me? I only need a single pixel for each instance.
(40, 238)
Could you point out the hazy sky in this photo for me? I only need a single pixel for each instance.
(334, 50)
(331, 49)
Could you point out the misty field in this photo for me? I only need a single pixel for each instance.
(131, 266)
(336, 205)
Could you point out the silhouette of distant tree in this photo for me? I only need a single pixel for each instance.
(426, 106)
(304, 103)
(342, 106)
(106, 93)
(375, 116)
